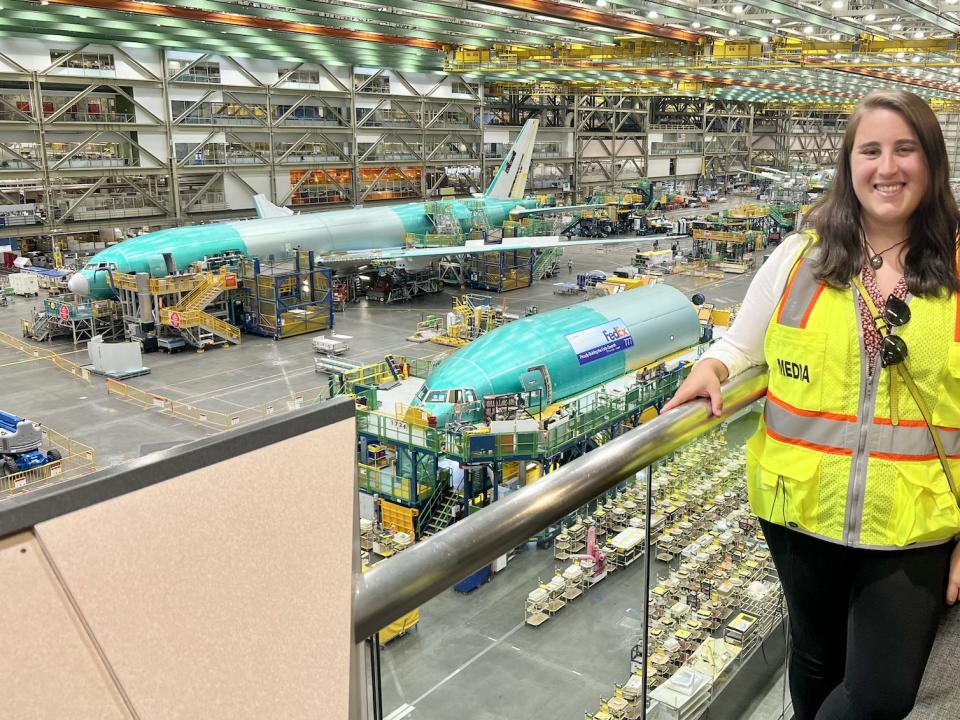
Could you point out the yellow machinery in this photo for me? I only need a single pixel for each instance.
(468, 321)
(398, 627)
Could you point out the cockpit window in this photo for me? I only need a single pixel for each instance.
(437, 396)
(421, 394)
(469, 396)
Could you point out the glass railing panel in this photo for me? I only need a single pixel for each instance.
(578, 620)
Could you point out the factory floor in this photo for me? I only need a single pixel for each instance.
(471, 654)
(474, 652)
(260, 370)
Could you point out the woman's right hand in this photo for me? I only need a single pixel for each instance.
(702, 382)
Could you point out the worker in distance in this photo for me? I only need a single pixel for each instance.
(853, 470)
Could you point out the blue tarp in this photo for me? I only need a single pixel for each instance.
(49, 272)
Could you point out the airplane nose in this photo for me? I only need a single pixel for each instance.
(79, 284)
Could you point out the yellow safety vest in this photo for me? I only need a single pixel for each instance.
(829, 458)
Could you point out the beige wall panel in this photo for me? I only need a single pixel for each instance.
(226, 592)
(51, 670)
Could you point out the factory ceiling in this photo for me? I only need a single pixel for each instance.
(828, 52)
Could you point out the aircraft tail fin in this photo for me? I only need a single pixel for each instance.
(511, 179)
(266, 209)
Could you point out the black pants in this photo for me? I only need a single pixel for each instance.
(862, 623)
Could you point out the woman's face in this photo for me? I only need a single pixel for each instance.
(888, 168)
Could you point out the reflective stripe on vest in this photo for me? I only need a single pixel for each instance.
(801, 294)
(827, 458)
(910, 440)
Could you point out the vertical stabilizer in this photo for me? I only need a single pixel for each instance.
(266, 209)
(511, 178)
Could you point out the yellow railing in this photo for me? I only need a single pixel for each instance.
(44, 354)
(198, 318)
(157, 286)
(212, 418)
(76, 460)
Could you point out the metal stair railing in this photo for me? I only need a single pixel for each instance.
(392, 589)
(217, 326)
(203, 294)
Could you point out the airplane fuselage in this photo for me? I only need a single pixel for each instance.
(325, 233)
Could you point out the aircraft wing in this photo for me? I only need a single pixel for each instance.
(525, 243)
(521, 212)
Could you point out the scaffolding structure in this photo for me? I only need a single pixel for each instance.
(75, 317)
(281, 302)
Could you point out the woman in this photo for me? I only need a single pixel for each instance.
(852, 469)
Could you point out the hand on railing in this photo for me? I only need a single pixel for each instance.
(702, 382)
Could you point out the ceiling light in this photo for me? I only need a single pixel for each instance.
(837, 4)
(732, 32)
(695, 24)
(765, 39)
(653, 14)
(955, 71)
(601, 3)
(919, 34)
(776, 21)
(808, 29)
(835, 37)
(896, 26)
(916, 58)
(901, 55)
(869, 17)
(838, 56)
(738, 9)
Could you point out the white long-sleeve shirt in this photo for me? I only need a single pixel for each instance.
(741, 346)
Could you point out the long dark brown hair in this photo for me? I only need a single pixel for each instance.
(930, 265)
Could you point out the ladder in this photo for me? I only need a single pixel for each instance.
(442, 217)
(394, 370)
(478, 215)
(546, 259)
(443, 517)
(41, 326)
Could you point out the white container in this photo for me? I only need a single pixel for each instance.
(25, 284)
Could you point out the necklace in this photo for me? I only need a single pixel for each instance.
(876, 261)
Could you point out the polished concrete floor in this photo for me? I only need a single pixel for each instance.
(471, 654)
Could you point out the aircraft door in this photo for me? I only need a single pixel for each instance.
(537, 388)
(158, 266)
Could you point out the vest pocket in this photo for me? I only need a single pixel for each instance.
(946, 410)
(797, 363)
(925, 509)
(783, 482)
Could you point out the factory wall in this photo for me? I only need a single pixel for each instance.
(298, 143)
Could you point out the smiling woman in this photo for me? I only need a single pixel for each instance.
(892, 186)
(849, 457)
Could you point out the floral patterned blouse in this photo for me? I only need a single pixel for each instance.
(871, 336)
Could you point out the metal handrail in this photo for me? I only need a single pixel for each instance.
(397, 586)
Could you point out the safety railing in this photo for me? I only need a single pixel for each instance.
(211, 418)
(61, 362)
(76, 460)
(469, 547)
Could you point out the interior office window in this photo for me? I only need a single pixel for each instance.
(463, 88)
(205, 72)
(380, 84)
(301, 75)
(84, 61)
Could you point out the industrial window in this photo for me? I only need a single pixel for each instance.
(380, 84)
(462, 88)
(204, 72)
(84, 61)
(437, 396)
(301, 75)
